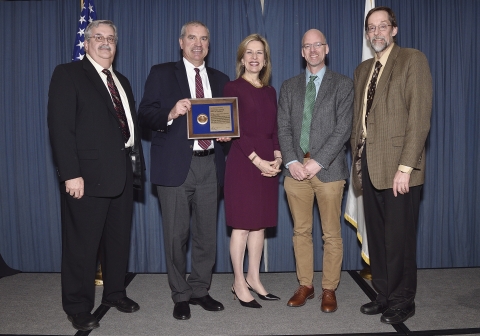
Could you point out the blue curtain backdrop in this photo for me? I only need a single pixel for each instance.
(38, 35)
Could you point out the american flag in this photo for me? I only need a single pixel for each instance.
(87, 15)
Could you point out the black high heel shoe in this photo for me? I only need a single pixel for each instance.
(250, 304)
(268, 297)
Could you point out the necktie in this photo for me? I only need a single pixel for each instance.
(310, 94)
(117, 103)
(204, 144)
(371, 89)
(361, 144)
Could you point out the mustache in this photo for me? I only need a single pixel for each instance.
(105, 46)
(379, 37)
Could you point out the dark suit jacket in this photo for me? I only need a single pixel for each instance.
(399, 119)
(330, 128)
(84, 130)
(171, 150)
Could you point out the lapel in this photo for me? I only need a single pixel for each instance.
(386, 74)
(363, 79)
(131, 99)
(181, 74)
(299, 87)
(322, 90)
(213, 83)
(99, 85)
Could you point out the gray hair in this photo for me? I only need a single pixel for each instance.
(193, 23)
(95, 24)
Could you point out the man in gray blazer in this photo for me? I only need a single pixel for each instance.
(314, 123)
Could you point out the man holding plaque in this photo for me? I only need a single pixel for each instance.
(187, 172)
(314, 123)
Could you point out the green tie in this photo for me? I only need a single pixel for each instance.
(307, 115)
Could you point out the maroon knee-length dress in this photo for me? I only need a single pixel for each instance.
(251, 200)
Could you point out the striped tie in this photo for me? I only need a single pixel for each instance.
(199, 94)
(117, 103)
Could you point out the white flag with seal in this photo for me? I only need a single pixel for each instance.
(354, 208)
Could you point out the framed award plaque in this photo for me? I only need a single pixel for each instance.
(211, 118)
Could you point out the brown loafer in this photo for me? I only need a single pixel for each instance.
(302, 294)
(329, 301)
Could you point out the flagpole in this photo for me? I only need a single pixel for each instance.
(87, 14)
(354, 212)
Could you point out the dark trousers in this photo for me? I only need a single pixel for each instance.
(90, 223)
(194, 201)
(391, 224)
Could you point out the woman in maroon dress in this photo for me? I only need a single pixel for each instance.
(251, 181)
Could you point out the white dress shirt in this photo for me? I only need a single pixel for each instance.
(123, 97)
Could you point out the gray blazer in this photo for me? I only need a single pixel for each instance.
(330, 128)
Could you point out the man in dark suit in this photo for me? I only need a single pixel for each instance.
(94, 138)
(314, 122)
(187, 172)
(392, 108)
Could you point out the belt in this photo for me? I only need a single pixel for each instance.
(307, 155)
(128, 150)
(205, 152)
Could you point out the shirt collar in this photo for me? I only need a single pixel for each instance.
(319, 74)
(385, 55)
(190, 66)
(97, 66)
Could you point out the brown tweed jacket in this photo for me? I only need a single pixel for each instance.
(399, 119)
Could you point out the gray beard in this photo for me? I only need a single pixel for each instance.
(379, 48)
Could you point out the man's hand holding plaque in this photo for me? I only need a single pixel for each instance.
(180, 108)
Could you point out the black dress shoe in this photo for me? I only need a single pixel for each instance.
(249, 304)
(394, 316)
(373, 308)
(268, 297)
(207, 303)
(124, 305)
(181, 311)
(84, 321)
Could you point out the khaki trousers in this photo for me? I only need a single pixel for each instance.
(300, 195)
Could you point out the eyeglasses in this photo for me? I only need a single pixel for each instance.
(381, 27)
(315, 45)
(101, 38)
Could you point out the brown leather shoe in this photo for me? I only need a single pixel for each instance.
(329, 301)
(302, 294)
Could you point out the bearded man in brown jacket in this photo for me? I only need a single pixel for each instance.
(392, 108)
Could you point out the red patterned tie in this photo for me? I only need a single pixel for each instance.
(199, 94)
(117, 103)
